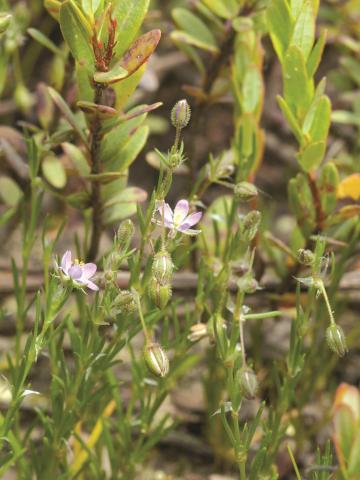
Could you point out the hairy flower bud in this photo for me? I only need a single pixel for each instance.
(162, 267)
(197, 332)
(245, 191)
(305, 256)
(5, 19)
(247, 284)
(248, 382)
(156, 359)
(180, 114)
(125, 302)
(125, 234)
(159, 294)
(250, 224)
(336, 341)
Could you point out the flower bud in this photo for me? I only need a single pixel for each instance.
(245, 191)
(110, 276)
(162, 267)
(247, 284)
(125, 302)
(23, 98)
(305, 256)
(156, 359)
(197, 332)
(180, 114)
(248, 383)
(125, 234)
(159, 294)
(250, 224)
(336, 341)
(5, 19)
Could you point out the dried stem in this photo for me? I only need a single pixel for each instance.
(95, 169)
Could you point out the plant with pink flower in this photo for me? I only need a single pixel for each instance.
(77, 272)
(178, 220)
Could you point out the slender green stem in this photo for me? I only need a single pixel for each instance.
(328, 306)
(142, 320)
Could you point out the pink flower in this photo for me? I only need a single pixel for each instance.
(179, 220)
(79, 272)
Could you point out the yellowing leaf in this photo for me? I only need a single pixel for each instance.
(350, 187)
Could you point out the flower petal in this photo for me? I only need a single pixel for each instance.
(165, 210)
(75, 272)
(191, 220)
(66, 261)
(88, 270)
(180, 212)
(92, 286)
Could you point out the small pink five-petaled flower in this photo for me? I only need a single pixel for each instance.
(79, 272)
(178, 220)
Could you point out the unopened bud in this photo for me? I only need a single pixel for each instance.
(125, 302)
(162, 267)
(197, 332)
(23, 97)
(110, 276)
(125, 234)
(248, 383)
(5, 19)
(180, 114)
(156, 359)
(250, 224)
(336, 341)
(247, 284)
(305, 256)
(245, 191)
(159, 294)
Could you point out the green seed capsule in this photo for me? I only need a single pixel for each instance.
(248, 383)
(159, 294)
(247, 284)
(125, 234)
(250, 224)
(156, 359)
(336, 341)
(305, 256)
(180, 114)
(125, 302)
(162, 267)
(5, 19)
(245, 191)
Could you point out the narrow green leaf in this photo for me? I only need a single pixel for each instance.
(304, 29)
(45, 41)
(130, 15)
(10, 192)
(280, 25)
(181, 36)
(298, 88)
(192, 25)
(293, 124)
(252, 90)
(127, 87)
(328, 185)
(220, 8)
(317, 120)
(126, 156)
(114, 75)
(354, 458)
(77, 157)
(68, 114)
(311, 156)
(54, 171)
(77, 33)
(316, 54)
